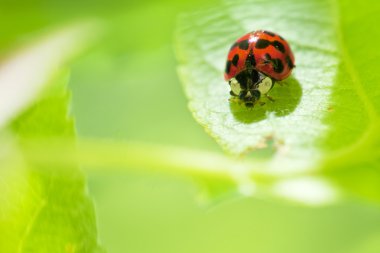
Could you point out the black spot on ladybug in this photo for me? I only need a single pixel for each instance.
(268, 58)
(279, 46)
(244, 45)
(228, 67)
(234, 45)
(235, 60)
(269, 33)
(278, 67)
(261, 43)
(289, 62)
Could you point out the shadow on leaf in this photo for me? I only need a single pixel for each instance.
(287, 95)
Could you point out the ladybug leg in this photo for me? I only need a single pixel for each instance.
(237, 98)
(234, 100)
(232, 93)
(282, 84)
(269, 97)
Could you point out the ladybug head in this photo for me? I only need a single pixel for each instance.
(249, 86)
(250, 97)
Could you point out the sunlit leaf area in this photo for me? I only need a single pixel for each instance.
(118, 134)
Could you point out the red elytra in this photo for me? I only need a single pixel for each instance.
(266, 52)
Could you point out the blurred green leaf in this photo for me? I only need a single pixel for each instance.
(325, 116)
(25, 73)
(44, 206)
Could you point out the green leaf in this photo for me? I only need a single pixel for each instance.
(300, 103)
(26, 72)
(325, 119)
(44, 206)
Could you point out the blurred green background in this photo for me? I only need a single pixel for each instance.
(126, 88)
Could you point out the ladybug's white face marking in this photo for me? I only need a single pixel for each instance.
(265, 85)
(235, 86)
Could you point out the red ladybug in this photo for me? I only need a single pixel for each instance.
(255, 61)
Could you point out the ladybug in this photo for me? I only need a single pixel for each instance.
(255, 61)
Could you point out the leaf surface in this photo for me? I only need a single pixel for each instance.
(294, 120)
(325, 117)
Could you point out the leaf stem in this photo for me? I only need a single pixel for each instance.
(95, 154)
